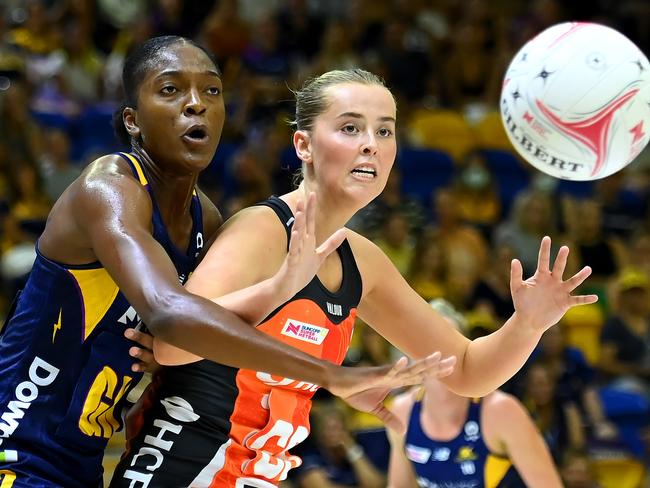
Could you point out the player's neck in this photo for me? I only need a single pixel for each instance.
(330, 215)
(173, 193)
(443, 405)
(442, 418)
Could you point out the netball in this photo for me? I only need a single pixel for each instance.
(575, 99)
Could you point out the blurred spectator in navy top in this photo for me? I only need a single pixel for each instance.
(333, 458)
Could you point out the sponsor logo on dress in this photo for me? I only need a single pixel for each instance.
(441, 454)
(335, 309)
(159, 441)
(472, 431)
(417, 454)
(304, 332)
(41, 374)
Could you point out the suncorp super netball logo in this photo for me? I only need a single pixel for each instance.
(304, 332)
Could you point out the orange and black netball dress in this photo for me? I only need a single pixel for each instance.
(217, 426)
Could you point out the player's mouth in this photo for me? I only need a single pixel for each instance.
(196, 134)
(364, 172)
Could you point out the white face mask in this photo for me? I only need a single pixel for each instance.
(475, 177)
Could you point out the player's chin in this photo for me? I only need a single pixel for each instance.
(362, 195)
(198, 158)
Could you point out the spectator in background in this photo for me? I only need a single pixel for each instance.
(574, 379)
(396, 242)
(369, 219)
(83, 64)
(622, 208)
(337, 50)
(16, 255)
(225, 33)
(559, 421)
(407, 64)
(531, 218)
(577, 470)
(464, 248)
(268, 69)
(302, 31)
(168, 18)
(491, 294)
(125, 41)
(252, 183)
(30, 205)
(5, 176)
(334, 459)
(638, 253)
(584, 224)
(476, 194)
(428, 269)
(625, 337)
(469, 64)
(57, 170)
(18, 130)
(38, 36)
(28, 209)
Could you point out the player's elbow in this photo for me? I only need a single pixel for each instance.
(164, 317)
(466, 386)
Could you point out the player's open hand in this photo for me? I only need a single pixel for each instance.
(366, 388)
(304, 258)
(545, 297)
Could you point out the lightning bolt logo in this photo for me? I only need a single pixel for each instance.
(57, 327)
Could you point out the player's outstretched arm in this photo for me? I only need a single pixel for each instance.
(112, 213)
(392, 308)
(509, 431)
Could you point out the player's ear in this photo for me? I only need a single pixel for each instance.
(129, 116)
(302, 145)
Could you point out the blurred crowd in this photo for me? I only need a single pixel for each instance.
(458, 207)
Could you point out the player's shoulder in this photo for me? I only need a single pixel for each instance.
(260, 218)
(372, 262)
(106, 185)
(361, 245)
(259, 221)
(501, 406)
(109, 171)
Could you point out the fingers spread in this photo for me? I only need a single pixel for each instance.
(583, 299)
(332, 243)
(432, 366)
(560, 261)
(399, 366)
(516, 274)
(446, 367)
(544, 258)
(577, 279)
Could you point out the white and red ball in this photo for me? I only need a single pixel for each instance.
(575, 101)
